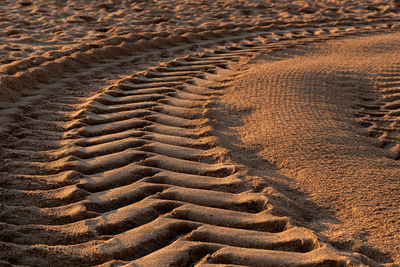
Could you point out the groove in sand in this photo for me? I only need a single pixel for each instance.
(134, 174)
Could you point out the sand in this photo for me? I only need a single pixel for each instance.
(44, 39)
(199, 133)
(325, 118)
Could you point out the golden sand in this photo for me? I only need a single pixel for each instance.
(199, 133)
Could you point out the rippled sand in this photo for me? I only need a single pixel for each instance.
(199, 133)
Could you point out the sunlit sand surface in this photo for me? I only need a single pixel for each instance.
(326, 117)
(199, 133)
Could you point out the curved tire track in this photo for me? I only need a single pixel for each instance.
(132, 174)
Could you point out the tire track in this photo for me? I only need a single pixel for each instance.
(27, 72)
(132, 174)
(380, 116)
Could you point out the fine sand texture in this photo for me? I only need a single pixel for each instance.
(327, 119)
(41, 39)
(199, 133)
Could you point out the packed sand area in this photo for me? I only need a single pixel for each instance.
(326, 117)
(199, 133)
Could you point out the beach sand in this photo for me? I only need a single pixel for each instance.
(199, 133)
(326, 118)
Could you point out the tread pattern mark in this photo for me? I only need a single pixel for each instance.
(380, 115)
(132, 175)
